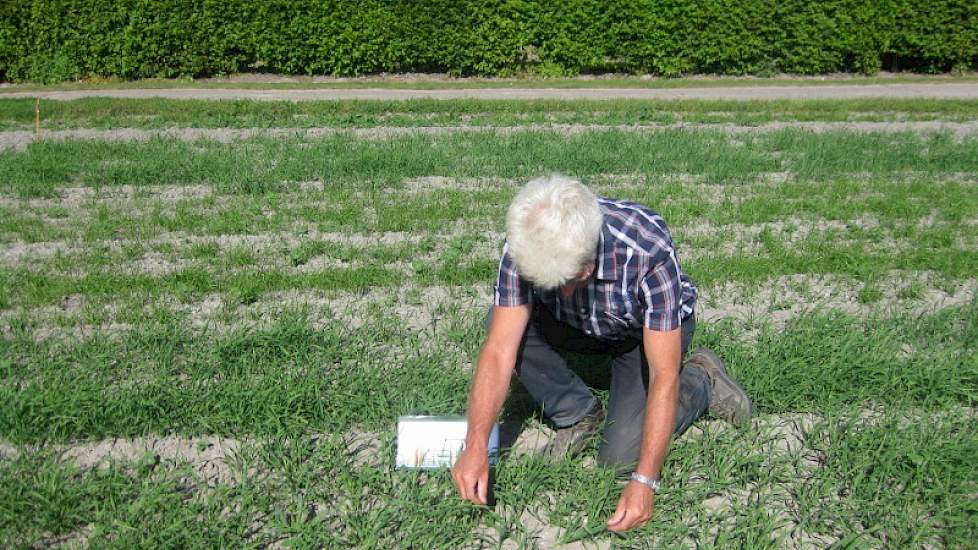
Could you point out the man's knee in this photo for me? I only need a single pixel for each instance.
(620, 446)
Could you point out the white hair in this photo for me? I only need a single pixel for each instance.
(552, 226)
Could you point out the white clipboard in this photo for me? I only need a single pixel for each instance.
(431, 442)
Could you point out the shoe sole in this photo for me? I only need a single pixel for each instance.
(739, 412)
(554, 453)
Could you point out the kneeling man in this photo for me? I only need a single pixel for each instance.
(596, 276)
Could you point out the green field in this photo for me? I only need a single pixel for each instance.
(206, 340)
(102, 113)
(424, 81)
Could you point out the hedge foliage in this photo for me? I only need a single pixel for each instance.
(52, 40)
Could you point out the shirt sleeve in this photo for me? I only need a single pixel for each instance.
(660, 291)
(510, 289)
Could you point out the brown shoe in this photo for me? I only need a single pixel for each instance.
(570, 441)
(728, 401)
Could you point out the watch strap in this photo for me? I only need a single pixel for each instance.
(650, 482)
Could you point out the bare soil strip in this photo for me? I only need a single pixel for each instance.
(418, 309)
(782, 299)
(841, 91)
(74, 539)
(83, 196)
(210, 456)
(19, 252)
(213, 456)
(428, 184)
(431, 310)
(19, 139)
(794, 227)
(710, 241)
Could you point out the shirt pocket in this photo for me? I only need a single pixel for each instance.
(620, 315)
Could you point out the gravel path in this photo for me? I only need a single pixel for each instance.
(19, 139)
(938, 90)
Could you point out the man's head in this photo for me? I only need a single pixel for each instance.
(552, 228)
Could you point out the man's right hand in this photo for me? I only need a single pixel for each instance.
(492, 375)
(471, 475)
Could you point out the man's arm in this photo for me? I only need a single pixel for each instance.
(664, 353)
(489, 387)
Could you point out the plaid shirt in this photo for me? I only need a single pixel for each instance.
(637, 281)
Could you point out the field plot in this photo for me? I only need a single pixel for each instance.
(212, 314)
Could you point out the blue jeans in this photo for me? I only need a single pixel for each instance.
(566, 399)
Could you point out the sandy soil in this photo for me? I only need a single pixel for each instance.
(782, 299)
(419, 309)
(18, 139)
(793, 227)
(75, 333)
(211, 457)
(427, 184)
(74, 539)
(152, 263)
(707, 239)
(424, 309)
(71, 196)
(19, 252)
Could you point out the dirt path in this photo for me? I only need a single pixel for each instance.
(19, 139)
(938, 90)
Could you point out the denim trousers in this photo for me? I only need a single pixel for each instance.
(544, 370)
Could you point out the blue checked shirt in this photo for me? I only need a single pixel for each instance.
(637, 281)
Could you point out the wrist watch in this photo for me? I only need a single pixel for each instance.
(651, 482)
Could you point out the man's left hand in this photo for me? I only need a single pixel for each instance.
(634, 508)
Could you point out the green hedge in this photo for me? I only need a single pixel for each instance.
(53, 40)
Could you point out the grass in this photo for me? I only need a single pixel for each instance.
(194, 385)
(18, 114)
(436, 81)
(322, 287)
(198, 385)
(266, 164)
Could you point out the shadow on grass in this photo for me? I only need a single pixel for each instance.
(520, 407)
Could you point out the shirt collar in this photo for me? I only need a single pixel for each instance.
(607, 263)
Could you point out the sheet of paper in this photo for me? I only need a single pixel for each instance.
(428, 442)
